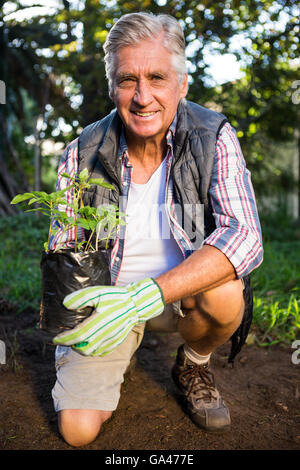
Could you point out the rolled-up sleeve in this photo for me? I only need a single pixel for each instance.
(238, 231)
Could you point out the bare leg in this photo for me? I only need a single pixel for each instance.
(212, 317)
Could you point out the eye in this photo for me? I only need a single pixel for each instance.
(157, 77)
(125, 80)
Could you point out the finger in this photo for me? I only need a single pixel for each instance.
(80, 333)
(87, 297)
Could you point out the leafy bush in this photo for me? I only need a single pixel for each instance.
(89, 218)
(279, 226)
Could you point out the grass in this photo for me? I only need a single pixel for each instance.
(21, 239)
(276, 283)
(276, 286)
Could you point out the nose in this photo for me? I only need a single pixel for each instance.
(142, 95)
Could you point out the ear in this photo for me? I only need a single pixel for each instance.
(184, 86)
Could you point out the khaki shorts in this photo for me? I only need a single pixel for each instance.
(93, 383)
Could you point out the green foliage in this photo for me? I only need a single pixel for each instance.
(276, 283)
(86, 217)
(49, 202)
(277, 294)
(279, 227)
(20, 256)
(60, 72)
(261, 105)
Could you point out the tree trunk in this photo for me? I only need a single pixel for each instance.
(7, 190)
(15, 156)
(37, 145)
(37, 156)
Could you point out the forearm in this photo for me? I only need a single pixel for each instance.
(203, 270)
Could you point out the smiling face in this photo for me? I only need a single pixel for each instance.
(146, 90)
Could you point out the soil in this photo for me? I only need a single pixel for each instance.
(262, 391)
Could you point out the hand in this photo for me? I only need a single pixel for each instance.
(117, 310)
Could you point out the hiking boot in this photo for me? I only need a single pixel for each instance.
(204, 404)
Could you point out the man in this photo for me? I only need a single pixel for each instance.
(159, 151)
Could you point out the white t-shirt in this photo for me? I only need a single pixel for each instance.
(149, 246)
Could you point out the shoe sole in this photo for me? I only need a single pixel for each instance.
(210, 430)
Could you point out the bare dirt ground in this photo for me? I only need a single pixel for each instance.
(262, 391)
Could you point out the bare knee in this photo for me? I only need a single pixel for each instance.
(81, 427)
(223, 304)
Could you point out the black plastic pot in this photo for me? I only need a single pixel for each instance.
(64, 272)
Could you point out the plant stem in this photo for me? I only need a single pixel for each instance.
(75, 216)
(76, 239)
(50, 226)
(89, 241)
(97, 236)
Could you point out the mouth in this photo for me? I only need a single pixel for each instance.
(144, 115)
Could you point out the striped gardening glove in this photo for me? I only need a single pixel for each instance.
(117, 311)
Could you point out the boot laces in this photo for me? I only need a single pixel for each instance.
(200, 380)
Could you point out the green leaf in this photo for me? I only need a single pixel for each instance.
(40, 194)
(83, 175)
(54, 197)
(62, 202)
(88, 211)
(61, 192)
(101, 182)
(21, 197)
(34, 200)
(80, 222)
(80, 245)
(65, 175)
(59, 214)
(39, 209)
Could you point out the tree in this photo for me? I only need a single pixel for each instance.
(261, 104)
(64, 78)
(29, 87)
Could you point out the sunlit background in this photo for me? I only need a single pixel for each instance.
(243, 60)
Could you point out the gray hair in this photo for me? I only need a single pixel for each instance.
(134, 27)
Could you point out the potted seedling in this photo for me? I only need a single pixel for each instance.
(65, 270)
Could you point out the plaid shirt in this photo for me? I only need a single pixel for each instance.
(237, 233)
